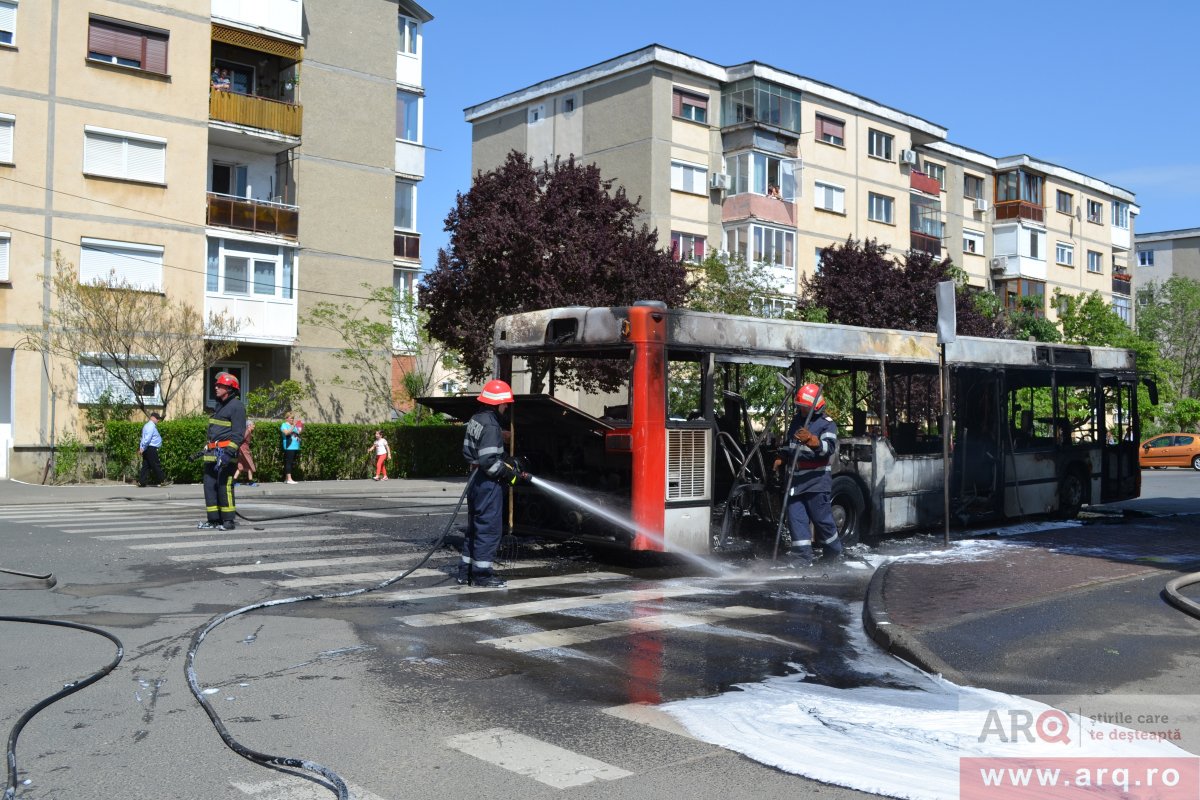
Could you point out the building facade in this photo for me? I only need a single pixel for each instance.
(775, 167)
(1163, 254)
(240, 156)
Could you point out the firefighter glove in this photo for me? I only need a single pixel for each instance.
(804, 437)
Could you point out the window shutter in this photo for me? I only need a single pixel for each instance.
(103, 155)
(4, 244)
(677, 104)
(156, 54)
(115, 40)
(8, 17)
(6, 140)
(146, 161)
(113, 262)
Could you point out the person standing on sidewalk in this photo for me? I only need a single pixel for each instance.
(290, 432)
(226, 430)
(245, 460)
(383, 452)
(148, 447)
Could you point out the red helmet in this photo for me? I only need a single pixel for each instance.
(809, 395)
(496, 393)
(227, 379)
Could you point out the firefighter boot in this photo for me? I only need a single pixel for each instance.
(488, 580)
(463, 576)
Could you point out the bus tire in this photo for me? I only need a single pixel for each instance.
(849, 510)
(1071, 494)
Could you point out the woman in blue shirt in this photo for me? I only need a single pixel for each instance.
(290, 431)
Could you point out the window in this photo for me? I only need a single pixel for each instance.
(1022, 292)
(689, 178)
(761, 244)
(1124, 308)
(238, 369)
(537, 113)
(758, 173)
(231, 179)
(818, 259)
(829, 197)
(1145, 258)
(115, 154)
(98, 375)
(408, 110)
(772, 307)
(879, 144)
(973, 242)
(1064, 254)
(406, 206)
(1064, 202)
(1095, 261)
(972, 186)
(8, 21)
(568, 104)
(127, 45)
(1095, 212)
(757, 100)
(125, 264)
(690, 105)
(880, 208)
(687, 246)
(831, 131)
(937, 172)
(409, 29)
(1120, 214)
(7, 124)
(247, 268)
(1037, 246)
(1019, 185)
(4, 247)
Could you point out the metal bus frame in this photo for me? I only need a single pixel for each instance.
(698, 483)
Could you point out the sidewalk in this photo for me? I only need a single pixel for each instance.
(19, 493)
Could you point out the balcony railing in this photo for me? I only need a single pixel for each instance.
(1120, 283)
(406, 245)
(255, 112)
(924, 183)
(925, 243)
(1020, 209)
(255, 216)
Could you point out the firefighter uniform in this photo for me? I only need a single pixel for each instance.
(809, 499)
(491, 471)
(226, 430)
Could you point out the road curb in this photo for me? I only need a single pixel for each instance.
(894, 638)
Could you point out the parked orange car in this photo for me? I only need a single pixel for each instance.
(1171, 450)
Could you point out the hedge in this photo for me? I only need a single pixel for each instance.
(328, 451)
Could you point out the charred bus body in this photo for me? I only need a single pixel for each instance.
(1036, 429)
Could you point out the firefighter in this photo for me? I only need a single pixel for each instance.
(809, 497)
(226, 430)
(491, 472)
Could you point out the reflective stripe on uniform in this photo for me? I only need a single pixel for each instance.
(224, 423)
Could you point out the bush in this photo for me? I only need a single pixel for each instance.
(328, 451)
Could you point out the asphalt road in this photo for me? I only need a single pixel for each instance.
(551, 683)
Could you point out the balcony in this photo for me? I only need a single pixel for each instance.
(768, 209)
(923, 183)
(406, 245)
(252, 111)
(254, 216)
(1120, 283)
(264, 320)
(1020, 209)
(925, 243)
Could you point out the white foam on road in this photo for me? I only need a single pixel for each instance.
(903, 738)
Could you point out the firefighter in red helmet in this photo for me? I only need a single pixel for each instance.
(491, 471)
(226, 430)
(809, 502)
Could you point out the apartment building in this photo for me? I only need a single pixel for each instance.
(238, 155)
(1163, 254)
(775, 166)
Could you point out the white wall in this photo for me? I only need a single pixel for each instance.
(281, 16)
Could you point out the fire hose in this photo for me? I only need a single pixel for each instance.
(787, 488)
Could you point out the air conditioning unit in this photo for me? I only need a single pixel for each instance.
(999, 263)
(720, 180)
(981, 204)
(908, 157)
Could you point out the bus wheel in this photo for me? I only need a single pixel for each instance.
(849, 510)
(1070, 496)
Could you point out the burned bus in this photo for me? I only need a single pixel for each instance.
(677, 448)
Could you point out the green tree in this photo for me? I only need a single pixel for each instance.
(372, 331)
(524, 239)
(275, 399)
(1167, 315)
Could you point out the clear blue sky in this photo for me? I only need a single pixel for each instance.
(1109, 89)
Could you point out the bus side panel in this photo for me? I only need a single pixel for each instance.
(687, 529)
(1037, 492)
(648, 412)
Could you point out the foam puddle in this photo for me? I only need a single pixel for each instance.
(904, 738)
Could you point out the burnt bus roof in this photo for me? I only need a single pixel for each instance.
(590, 330)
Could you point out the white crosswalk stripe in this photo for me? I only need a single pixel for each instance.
(276, 566)
(567, 637)
(544, 762)
(341, 537)
(516, 583)
(550, 606)
(279, 551)
(191, 531)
